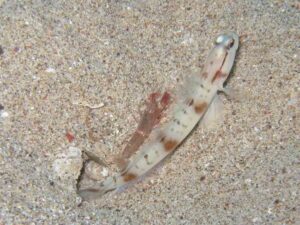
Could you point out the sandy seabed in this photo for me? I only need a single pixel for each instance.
(55, 55)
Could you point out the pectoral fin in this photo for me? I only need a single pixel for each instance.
(214, 114)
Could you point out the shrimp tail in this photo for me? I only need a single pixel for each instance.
(91, 193)
(95, 192)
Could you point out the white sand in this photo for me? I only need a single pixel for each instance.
(56, 53)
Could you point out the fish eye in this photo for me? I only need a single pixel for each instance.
(226, 40)
(220, 39)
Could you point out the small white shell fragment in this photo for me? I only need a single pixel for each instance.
(50, 70)
(104, 172)
(256, 220)
(248, 181)
(68, 164)
(187, 39)
(4, 114)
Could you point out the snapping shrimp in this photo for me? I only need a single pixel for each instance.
(201, 93)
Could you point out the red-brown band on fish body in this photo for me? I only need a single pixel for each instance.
(128, 176)
(170, 144)
(200, 107)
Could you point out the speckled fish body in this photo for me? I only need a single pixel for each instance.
(201, 91)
